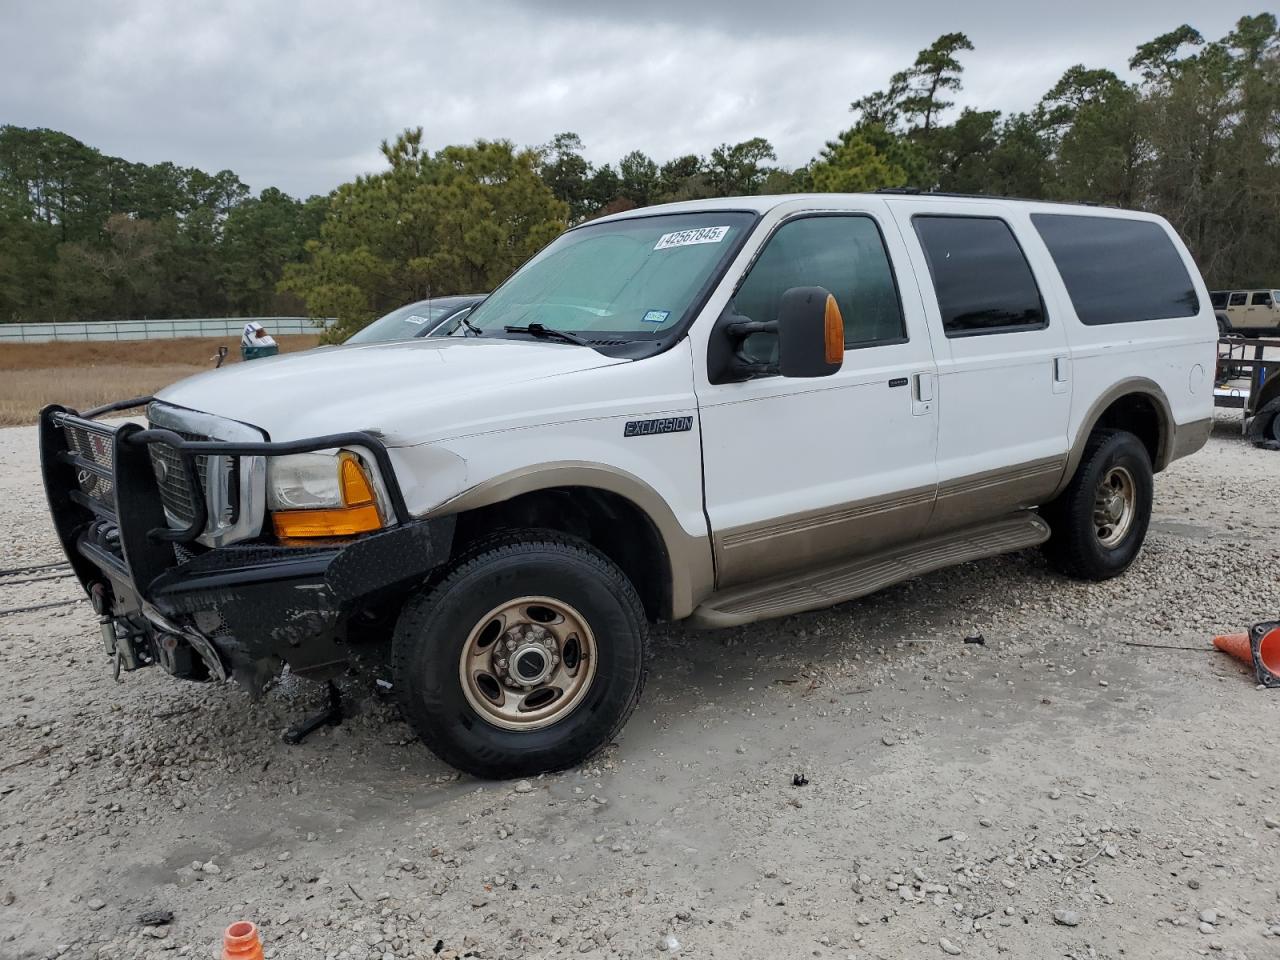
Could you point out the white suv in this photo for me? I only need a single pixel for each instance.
(723, 410)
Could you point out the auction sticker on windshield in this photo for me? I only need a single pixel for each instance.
(685, 238)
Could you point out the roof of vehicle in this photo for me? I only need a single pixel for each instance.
(763, 204)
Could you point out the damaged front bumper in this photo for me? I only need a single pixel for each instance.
(243, 609)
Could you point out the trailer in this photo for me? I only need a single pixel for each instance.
(1248, 379)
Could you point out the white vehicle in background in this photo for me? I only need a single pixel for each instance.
(723, 410)
(433, 317)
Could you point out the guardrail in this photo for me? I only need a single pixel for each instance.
(154, 329)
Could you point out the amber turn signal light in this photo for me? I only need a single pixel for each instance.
(358, 515)
(834, 331)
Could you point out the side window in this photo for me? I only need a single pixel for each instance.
(1218, 299)
(844, 254)
(1118, 269)
(982, 279)
(1238, 299)
(1261, 299)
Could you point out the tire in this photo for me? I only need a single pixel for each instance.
(1272, 431)
(1266, 421)
(470, 712)
(1081, 545)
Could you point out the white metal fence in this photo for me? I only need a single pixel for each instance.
(153, 329)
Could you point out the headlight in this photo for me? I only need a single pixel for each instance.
(321, 495)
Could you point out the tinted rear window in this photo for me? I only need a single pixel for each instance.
(1218, 299)
(1118, 270)
(982, 280)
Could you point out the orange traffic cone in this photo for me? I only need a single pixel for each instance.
(1260, 648)
(1236, 644)
(1268, 663)
(241, 942)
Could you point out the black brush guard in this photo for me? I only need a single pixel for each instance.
(252, 606)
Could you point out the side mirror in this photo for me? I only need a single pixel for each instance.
(810, 335)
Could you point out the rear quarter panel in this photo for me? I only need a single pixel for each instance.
(1176, 354)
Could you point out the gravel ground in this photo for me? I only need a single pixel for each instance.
(1056, 792)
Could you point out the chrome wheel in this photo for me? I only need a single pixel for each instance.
(1114, 506)
(528, 663)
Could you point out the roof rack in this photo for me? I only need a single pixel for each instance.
(917, 192)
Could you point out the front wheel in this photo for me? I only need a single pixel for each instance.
(528, 656)
(1100, 521)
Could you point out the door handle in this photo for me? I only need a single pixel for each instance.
(1061, 375)
(924, 387)
(921, 394)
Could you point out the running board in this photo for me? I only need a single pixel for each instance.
(837, 583)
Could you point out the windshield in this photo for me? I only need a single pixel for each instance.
(415, 320)
(626, 279)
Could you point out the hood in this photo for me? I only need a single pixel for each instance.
(371, 386)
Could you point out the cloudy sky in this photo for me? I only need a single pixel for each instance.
(299, 94)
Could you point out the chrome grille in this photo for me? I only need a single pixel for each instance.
(176, 492)
(96, 448)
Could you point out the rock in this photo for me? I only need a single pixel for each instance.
(1272, 823)
(210, 868)
(888, 740)
(1068, 918)
(949, 947)
(1205, 927)
(96, 904)
(1055, 794)
(1208, 916)
(669, 943)
(524, 786)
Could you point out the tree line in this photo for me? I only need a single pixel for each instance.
(1192, 136)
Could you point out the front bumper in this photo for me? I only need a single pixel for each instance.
(243, 609)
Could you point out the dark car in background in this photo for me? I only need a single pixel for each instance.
(435, 317)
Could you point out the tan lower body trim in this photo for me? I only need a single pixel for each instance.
(1190, 437)
(804, 540)
(844, 580)
(967, 500)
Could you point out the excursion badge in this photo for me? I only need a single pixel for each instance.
(645, 428)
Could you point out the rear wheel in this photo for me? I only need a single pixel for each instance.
(1100, 521)
(528, 656)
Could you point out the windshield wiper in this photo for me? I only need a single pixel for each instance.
(476, 331)
(538, 330)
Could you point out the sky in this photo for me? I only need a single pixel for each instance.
(300, 94)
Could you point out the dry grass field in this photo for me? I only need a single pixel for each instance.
(84, 375)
